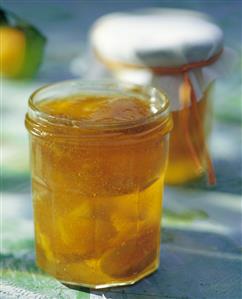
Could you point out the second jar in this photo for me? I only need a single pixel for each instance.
(178, 51)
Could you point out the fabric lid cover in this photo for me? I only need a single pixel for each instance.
(156, 37)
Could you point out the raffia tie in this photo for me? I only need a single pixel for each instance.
(187, 98)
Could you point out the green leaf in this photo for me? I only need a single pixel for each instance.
(35, 43)
(3, 18)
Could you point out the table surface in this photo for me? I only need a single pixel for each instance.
(201, 243)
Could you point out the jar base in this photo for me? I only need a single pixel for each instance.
(74, 285)
(180, 181)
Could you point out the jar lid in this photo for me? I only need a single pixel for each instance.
(156, 37)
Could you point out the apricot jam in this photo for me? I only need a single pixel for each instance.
(98, 155)
(182, 166)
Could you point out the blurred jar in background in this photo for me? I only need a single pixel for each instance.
(178, 51)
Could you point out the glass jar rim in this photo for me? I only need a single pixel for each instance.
(105, 86)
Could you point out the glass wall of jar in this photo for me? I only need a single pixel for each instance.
(98, 154)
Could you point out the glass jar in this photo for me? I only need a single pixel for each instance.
(188, 154)
(184, 61)
(98, 156)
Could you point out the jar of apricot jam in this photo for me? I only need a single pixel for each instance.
(98, 156)
(179, 51)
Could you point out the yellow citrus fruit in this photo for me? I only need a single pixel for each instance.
(12, 50)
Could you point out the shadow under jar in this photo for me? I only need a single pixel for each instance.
(98, 156)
